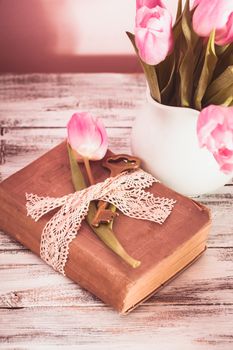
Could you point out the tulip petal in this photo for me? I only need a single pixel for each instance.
(102, 149)
(87, 136)
(153, 34)
(149, 3)
(215, 15)
(224, 35)
(215, 132)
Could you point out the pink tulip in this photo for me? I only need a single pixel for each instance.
(149, 3)
(215, 132)
(87, 136)
(214, 14)
(153, 33)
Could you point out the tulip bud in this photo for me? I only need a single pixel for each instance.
(215, 132)
(153, 33)
(87, 136)
(215, 15)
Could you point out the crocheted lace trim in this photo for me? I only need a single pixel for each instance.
(125, 191)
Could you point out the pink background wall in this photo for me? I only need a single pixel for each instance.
(67, 35)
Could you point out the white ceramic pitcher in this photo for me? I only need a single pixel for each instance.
(165, 138)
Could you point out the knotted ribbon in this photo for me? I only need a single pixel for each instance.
(125, 191)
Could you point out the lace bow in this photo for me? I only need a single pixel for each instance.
(125, 191)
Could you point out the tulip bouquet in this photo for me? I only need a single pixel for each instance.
(188, 62)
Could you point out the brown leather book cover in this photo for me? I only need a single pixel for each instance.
(164, 250)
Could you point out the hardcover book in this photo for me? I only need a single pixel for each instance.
(164, 250)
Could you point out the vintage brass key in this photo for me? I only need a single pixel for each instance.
(116, 164)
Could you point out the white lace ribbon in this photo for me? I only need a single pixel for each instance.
(125, 191)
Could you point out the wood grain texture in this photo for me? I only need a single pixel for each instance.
(48, 100)
(42, 286)
(42, 308)
(166, 327)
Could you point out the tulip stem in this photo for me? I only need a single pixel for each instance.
(104, 231)
(88, 170)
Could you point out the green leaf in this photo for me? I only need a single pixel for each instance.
(220, 50)
(76, 174)
(167, 79)
(227, 56)
(229, 101)
(104, 231)
(186, 68)
(207, 71)
(221, 99)
(225, 59)
(149, 71)
(179, 10)
(166, 70)
(199, 58)
(220, 91)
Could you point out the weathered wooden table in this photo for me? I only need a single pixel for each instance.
(39, 308)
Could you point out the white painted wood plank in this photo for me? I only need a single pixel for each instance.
(154, 327)
(48, 100)
(29, 282)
